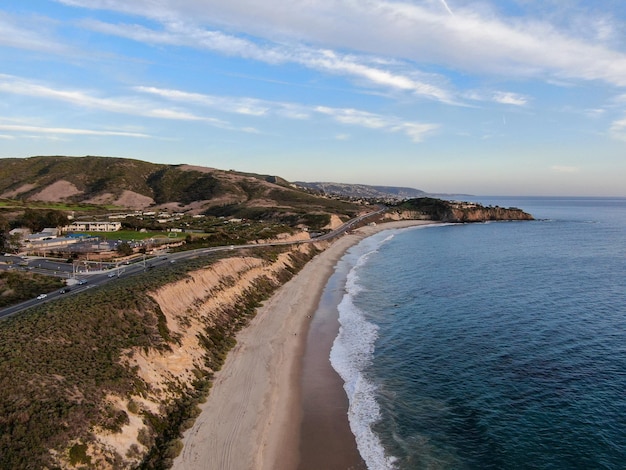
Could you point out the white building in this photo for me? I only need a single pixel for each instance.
(93, 227)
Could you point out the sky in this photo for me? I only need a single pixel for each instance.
(492, 97)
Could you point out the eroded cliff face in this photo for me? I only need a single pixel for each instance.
(484, 214)
(404, 215)
(202, 313)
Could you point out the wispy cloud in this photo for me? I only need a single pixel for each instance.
(500, 97)
(35, 38)
(365, 69)
(415, 131)
(125, 105)
(246, 106)
(68, 131)
(564, 169)
(134, 105)
(263, 108)
(618, 129)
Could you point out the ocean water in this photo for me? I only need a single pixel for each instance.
(490, 346)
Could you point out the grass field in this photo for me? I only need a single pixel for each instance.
(128, 235)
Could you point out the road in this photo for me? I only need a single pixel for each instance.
(89, 280)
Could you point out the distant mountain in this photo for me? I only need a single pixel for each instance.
(362, 190)
(135, 184)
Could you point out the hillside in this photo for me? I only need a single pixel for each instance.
(139, 185)
(362, 190)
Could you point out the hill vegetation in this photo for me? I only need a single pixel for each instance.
(362, 191)
(134, 184)
(17, 286)
(67, 376)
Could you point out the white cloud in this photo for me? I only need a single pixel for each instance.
(474, 39)
(332, 62)
(510, 98)
(416, 131)
(354, 117)
(502, 97)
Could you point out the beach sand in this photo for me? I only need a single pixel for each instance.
(271, 405)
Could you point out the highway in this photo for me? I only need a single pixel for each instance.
(89, 280)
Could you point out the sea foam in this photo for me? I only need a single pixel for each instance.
(351, 353)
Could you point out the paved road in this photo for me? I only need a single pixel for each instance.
(89, 280)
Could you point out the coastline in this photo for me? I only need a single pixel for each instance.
(252, 417)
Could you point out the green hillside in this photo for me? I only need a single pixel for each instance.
(128, 183)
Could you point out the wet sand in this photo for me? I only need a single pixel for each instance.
(326, 440)
(272, 406)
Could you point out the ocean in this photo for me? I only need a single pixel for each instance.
(490, 346)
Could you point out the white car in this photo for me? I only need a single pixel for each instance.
(42, 296)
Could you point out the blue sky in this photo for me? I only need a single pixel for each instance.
(506, 97)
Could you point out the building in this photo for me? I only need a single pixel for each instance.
(93, 227)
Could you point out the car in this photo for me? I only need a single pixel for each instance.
(63, 291)
(42, 296)
(82, 281)
(111, 275)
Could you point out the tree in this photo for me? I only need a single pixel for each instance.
(37, 220)
(4, 233)
(13, 243)
(124, 249)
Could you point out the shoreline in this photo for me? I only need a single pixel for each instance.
(253, 414)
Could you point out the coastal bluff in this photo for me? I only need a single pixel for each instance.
(112, 377)
(440, 210)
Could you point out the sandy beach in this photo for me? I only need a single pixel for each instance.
(253, 417)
